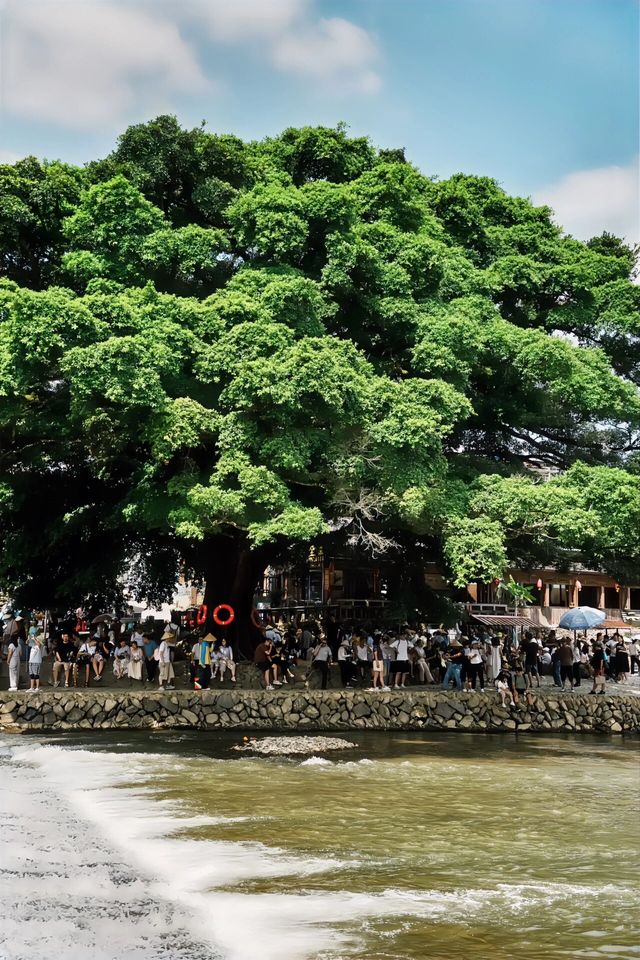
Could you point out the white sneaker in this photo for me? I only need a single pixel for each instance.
(13, 689)
(277, 683)
(269, 687)
(386, 689)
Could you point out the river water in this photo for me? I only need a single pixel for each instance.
(168, 846)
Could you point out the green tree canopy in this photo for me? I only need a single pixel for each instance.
(212, 351)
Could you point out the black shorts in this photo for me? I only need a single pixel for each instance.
(403, 666)
(264, 665)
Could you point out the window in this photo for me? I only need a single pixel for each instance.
(559, 595)
(589, 596)
(611, 598)
(634, 602)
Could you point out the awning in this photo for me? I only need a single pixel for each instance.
(615, 625)
(504, 620)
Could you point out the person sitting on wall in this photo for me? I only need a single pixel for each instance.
(263, 659)
(65, 658)
(225, 660)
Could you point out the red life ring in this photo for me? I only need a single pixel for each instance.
(230, 618)
(255, 619)
(201, 616)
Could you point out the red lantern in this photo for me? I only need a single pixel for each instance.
(578, 586)
(539, 584)
(617, 586)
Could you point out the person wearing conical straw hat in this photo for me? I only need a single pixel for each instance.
(166, 674)
(203, 668)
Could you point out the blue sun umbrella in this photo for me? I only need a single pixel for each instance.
(582, 618)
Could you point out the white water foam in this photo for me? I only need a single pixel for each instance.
(162, 896)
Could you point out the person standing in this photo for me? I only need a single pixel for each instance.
(495, 658)
(531, 659)
(454, 657)
(576, 647)
(403, 667)
(377, 669)
(262, 660)
(634, 654)
(151, 664)
(13, 660)
(565, 654)
(36, 653)
(193, 664)
(475, 666)
(321, 661)
(345, 662)
(362, 659)
(599, 670)
(134, 667)
(622, 661)
(86, 653)
(166, 673)
(555, 663)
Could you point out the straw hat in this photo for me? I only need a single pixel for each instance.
(168, 636)
(209, 638)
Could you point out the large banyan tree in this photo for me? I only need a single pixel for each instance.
(213, 352)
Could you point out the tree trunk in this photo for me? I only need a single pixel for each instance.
(232, 571)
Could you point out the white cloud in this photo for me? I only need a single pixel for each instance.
(88, 64)
(589, 201)
(95, 64)
(294, 40)
(240, 20)
(334, 50)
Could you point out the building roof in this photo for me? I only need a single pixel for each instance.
(503, 620)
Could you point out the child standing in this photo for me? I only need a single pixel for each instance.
(377, 670)
(35, 662)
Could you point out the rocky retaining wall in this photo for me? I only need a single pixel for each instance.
(315, 710)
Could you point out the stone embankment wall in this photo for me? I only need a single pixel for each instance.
(315, 710)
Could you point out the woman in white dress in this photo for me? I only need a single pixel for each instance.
(495, 658)
(135, 662)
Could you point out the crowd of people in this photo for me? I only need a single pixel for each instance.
(470, 658)
(473, 660)
(81, 652)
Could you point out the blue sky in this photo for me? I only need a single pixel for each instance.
(541, 94)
